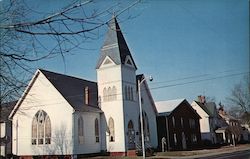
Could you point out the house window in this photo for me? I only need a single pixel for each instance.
(80, 130)
(182, 122)
(111, 130)
(193, 138)
(173, 121)
(86, 95)
(2, 150)
(96, 130)
(192, 123)
(2, 129)
(175, 139)
(41, 129)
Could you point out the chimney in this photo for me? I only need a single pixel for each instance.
(201, 99)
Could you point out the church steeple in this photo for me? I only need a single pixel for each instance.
(115, 46)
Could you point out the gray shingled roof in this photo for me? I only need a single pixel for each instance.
(72, 89)
(207, 107)
(114, 45)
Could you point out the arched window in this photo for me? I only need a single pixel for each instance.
(131, 93)
(34, 131)
(86, 95)
(96, 130)
(111, 130)
(80, 130)
(41, 128)
(109, 94)
(126, 93)
(105, 94)
(131, 132)
(145, 126)
(114, 93)
(47, 130)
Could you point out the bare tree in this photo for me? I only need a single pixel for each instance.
(25, 34)
(240, 96)
(61, 141)
(240, 101)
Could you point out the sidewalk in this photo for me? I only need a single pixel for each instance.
(201, 153)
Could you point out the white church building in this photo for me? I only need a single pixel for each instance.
(64, 115)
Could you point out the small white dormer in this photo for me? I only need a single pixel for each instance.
(129, 62)
(107, 62)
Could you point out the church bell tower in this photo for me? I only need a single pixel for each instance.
(116, 80)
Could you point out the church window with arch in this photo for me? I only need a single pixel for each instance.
(41, 128)
(105, 94)
(111, 127)
(80, 130)
(109, 94)
(114, 93)
(96, 130)
(146, 129)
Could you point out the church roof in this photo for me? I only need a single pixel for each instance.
(72, 89)
(115, 46)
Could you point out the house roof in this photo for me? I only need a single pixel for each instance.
(166, 107)
(115, 46)
(209, 108)
(6, 109)
(72, 89)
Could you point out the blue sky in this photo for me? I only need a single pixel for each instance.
(190, 47)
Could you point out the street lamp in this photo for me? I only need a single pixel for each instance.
(141, 118)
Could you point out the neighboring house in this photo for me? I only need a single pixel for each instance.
(231, 133)
(209, 121)
(64, 115)
(5, 129)
(178, 122)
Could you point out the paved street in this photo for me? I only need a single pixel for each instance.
(233, 155)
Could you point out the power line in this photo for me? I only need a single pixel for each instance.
(201, 80)
(152, 88)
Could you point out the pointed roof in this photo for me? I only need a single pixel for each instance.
(208, 107)
(114, 45)
(165, 108)
(168, 106)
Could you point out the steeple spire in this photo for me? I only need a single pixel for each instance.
(115, 46)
